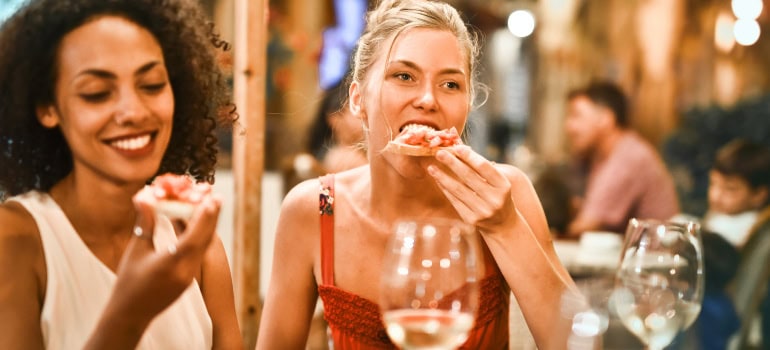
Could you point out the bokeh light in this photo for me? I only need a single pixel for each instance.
(747, 9)
(746, 31)
(521, 23)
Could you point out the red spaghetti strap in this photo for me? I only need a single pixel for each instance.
(326, 210)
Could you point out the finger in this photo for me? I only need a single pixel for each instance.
(200, 230)
(145, 220)
(461, 205)
(459, 194)
(456, 183)
(477, 164)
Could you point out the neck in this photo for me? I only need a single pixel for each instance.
(96, 208)
(394, 195)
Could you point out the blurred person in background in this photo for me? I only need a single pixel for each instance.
(336, 137)
(739, 190)
(739, 203)
(625, 176)
(335, 141)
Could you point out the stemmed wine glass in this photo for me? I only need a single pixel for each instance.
(659, 283)
(429, 283)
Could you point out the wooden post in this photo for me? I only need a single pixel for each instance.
(248, 158)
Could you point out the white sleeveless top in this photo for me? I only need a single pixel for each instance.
(79, 286)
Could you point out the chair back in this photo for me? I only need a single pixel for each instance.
(749, 286)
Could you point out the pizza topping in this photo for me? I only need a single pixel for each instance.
(426, 136)
(179, 187)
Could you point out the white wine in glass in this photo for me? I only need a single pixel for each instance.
(429, 291)
(659, 283)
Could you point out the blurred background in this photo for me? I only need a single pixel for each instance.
(697, 73)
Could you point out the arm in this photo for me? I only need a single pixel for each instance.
(149, 281)
(22, 272)
(502, 204)
(292, 295)
(217, 288)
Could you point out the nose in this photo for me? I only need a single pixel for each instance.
(130, 109)
(427, 98)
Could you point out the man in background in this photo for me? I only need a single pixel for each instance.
(625, 176)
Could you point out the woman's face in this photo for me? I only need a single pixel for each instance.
(113, 99)
(425, 81)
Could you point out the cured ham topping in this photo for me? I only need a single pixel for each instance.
(180, 188)
(425, 136)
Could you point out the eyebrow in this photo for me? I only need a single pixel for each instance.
(109, 75)
(413, 65)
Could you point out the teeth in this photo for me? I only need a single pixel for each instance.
(417, 126)
(132, 143)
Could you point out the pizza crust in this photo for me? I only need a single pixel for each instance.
(411, 150)
(175, 209)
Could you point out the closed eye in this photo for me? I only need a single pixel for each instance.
(96, 96)
(154, 88)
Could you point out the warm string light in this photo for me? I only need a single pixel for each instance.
(746, 28)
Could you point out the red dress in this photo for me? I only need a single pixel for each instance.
(356, 322)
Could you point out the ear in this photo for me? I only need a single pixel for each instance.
(355, 102)
(48, 116)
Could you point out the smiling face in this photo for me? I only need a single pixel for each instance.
(113, 100)
(425, 81)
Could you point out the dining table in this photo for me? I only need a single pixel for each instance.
(593, 254)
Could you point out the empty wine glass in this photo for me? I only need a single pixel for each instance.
(659, 284)
(429, 283)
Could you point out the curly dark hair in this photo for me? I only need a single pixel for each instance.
(33, 157)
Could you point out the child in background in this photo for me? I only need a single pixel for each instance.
(738, 195)
(739, 183)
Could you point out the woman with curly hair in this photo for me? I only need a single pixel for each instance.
(97, 97)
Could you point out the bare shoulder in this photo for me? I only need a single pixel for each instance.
(20, 241)
(22, 270)
(301, 203)
(18, 233)
(515, 175)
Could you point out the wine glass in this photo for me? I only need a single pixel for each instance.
(659, 283)
(429, 291)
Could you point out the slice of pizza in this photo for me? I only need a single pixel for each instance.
(422, 140)
(178, 195)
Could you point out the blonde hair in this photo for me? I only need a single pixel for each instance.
(392, 17)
